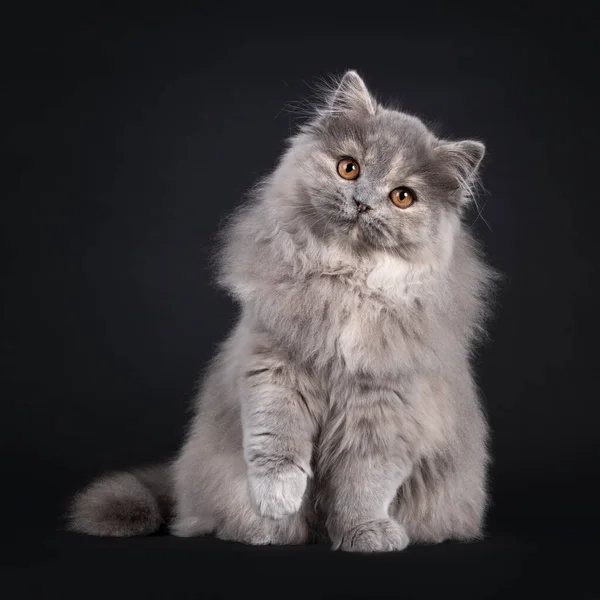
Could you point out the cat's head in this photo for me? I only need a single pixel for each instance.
(374, 178)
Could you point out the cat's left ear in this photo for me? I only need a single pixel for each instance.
(352, 95)
(462, 160)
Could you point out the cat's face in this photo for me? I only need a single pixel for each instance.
(376, 178)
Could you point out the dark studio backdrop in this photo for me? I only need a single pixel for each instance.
(129, 134)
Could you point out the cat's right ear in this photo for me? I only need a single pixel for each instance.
(462, 160)
(352, 95)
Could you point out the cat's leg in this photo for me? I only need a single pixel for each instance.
(445, 498)
(279, 427)
(269, 494)
(365, 460)
(215, 500)
(212, 496)
(243, 471)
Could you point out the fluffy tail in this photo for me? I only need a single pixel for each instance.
(124, 504)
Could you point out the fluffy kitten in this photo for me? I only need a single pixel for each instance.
(342, 401)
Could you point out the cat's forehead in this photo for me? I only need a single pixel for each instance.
(398, 128)
(382, 136)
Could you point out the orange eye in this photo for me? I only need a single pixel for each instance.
(402, 197)
(348, 168)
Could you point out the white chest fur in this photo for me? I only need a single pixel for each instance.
(375, 333)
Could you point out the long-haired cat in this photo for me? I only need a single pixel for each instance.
(342, 402)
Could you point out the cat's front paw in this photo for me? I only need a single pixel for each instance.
(382, 535)
(277, 493)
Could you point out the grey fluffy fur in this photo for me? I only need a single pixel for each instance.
(342, 403)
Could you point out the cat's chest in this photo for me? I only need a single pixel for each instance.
(379, 323)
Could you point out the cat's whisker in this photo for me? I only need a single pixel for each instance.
(479, 215)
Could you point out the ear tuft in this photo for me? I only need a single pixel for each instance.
(352, 95)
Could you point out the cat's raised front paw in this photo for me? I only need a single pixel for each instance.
(382, 535)
(278, 493)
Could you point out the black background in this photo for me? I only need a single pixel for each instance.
(130, 133)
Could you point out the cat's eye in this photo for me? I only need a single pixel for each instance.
(402, 197)
(348, 168)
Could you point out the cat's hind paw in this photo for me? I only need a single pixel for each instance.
(381, 535)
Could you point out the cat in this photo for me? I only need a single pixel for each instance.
(342, 404)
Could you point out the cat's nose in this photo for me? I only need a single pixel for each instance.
(362, 207)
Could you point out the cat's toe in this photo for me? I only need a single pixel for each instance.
(383, 535)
